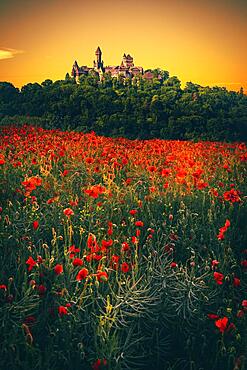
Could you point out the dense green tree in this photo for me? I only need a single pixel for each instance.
(135, 108)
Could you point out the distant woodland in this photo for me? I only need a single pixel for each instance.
(133, 108)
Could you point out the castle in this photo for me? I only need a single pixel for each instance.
(125, 69)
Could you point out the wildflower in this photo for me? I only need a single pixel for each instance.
(244, 304)
(240, 314)
(139, 223)
(41, 289)
(68, 212)
(165, 172)
(212, 316)
(244, 263)
(92, 243)
(31, 263)
(125, 267)
(73, 250)
(132, 212)
(39, 259)
(223, 229)
(236, 282)
(35, 225)
(97, 365)
(32, 283)
(232, 196)
(231, 328)
(102, 276)
(65, 173)
(82, 274)
(125, 247)
(106, 243)
(58, 269)
(214, 263)
(152, 169)
(221, 324)
(115, 259)
(134, 239)
(218, 277)
(110, 231)
(77, 262)
(3, 286)
(173, 264)
(62, 310)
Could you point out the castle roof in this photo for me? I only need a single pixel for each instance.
(98, 51)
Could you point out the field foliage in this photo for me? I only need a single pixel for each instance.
(120, 254)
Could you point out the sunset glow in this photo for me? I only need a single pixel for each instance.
(199, 41)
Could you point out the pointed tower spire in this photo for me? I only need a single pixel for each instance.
(99, 63)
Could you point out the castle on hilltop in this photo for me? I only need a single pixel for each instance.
(125, 69)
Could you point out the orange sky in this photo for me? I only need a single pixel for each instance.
(203, 41)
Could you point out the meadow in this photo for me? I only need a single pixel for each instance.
(121, 254)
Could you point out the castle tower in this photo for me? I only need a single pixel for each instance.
(99, 62)
(128, 61)
(98, 54)
(75, 70)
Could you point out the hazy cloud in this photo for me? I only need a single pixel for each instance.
(6, 53)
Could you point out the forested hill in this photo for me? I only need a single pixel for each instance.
(134, 108)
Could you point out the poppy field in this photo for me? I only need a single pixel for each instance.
(120, 254)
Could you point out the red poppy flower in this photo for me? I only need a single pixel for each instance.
(133, 212)
(212, 316)
(236, 282)
(125, 267)
(218, 277)
(97, 365)
(73, 250)
(68, 212)
(41, 289)
(65, 173)
(173, 264)
(215, 263)
(39, 259)
(134, 239)
(125, 247)
(3, 286)
(139, 223)
(115, 259)
(223, 229)
(221, 324)
(35, 225)
(240, 314)
(82, 274)
(107, 243)
(232, 196)
(244, 263)
(58, 269)
(244, 304)
(62, 310)
(77, 262)
(102, 276)
(31, 263)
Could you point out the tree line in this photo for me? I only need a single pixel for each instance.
(133, 108)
